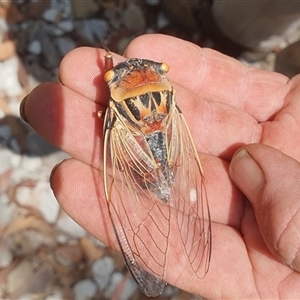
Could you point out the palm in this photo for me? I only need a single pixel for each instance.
(226, 106)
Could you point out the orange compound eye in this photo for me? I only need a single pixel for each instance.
(164, 67)
(109, 75)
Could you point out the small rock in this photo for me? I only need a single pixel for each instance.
(7, 138)
(85, 289)
(51, 15)
(90, 251)
(35, 47)
(65, 44)
(9, 81)
(68, 255)
(115, 280)
(92, 29)
(35, 283)
(6, 159)
(66, 25)
(162, 20)
(48, 205)
(55, 295)
(128, 287)
(101, 270)
(6, 256)
(5, 134)
(169, 291)
(19, 275)
(7, 209)
(51, 58)
(33, 239)
(15, 160)
(68, 226)
(5, 182)
(31, 163)
(23, 195)
(2, 113)
(41, 198)
(123, 43)
(38, 145)
(84, 9)
(134, 19)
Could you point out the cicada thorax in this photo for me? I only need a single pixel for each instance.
(147, 112)
(143, 99)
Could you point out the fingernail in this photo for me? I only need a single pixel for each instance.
(246, 174)
(54, 170)
(22, 109)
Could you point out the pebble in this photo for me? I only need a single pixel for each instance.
(5, 134)
(48, 205)
(162, 20)
(9, 81)
(84, 9)
(2, 113)
(7, 209)
(84, 289)
(51, 15)
(35, 239)
(31, 163)
(38, 146)
(169, 291)
(55, 295)
(128, 289)
(101, 270)
(134, 19)
(69, 227)
(7, 160)
(19, 275)
(6, 256)
(35, 47)
(66, 25)
(64, 45)
(92, 29)
(68, 255)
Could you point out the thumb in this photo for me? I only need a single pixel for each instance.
(271, 182)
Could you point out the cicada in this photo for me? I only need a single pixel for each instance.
(153, 179)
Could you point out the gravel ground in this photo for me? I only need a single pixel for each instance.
(44, 254)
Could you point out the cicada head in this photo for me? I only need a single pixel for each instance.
(135, 77)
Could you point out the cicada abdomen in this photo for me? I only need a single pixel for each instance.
(153, 180)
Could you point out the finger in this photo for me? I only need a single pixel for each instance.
(215, 76)
(82, 70)
(69, 121)
(270, 180)
(216, 128)
(85, 184)
(283, 132)
(81, 196)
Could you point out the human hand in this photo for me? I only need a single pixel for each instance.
(255, 243)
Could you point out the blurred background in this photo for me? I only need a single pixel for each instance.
(44, 254)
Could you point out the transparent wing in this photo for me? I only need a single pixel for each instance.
(189, 197)
(142, 226)
(142, 221)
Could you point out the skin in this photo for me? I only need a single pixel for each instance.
(245, 124)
